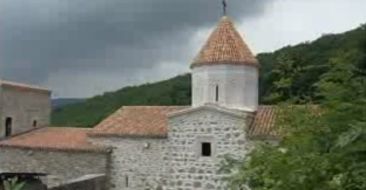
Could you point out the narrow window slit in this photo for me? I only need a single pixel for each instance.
(126, 180)
(217, 93)
(8, 126)
(35, 123)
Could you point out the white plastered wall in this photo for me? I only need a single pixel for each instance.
(237, 86)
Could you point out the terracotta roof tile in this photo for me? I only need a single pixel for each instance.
(264, 122)
(73, 139)
(225, 46)
(22, 86)
(136, 121)
(152, 121)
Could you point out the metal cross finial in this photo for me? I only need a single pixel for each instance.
(224, 6)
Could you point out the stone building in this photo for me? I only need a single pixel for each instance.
(22, 108)
(62, 153)
(163, 147)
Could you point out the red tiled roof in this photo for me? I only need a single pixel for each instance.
(263, 124)
(152, 121)
(22, 86)
(129, 121)
(136, 121)
(225, 46)
(57, 138)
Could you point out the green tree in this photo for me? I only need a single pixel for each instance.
(285, 73)
(323, 147)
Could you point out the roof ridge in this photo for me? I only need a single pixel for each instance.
(23, 85)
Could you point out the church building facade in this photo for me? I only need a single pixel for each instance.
(182, 147)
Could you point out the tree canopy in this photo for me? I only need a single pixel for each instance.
(323, 147)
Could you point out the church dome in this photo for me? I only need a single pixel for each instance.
(225, 46)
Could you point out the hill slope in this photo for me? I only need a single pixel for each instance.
(298, 68)
(176, 91)
(61, 102)
(287, 74)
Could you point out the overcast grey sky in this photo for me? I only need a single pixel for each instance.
(80, 48)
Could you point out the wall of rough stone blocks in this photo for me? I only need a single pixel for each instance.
(136, 163)
(24, 107)
(186, 167)
(61, 166)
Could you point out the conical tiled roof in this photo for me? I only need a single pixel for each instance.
(225, 46)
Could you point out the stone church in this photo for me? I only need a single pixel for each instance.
(159, 147)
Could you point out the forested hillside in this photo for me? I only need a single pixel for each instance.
(61, 102)
(175, 91)
(291, 72)
(288, 74)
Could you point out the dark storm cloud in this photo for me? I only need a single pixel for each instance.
(41, 37)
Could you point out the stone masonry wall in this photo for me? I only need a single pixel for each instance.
(136, 163)
(61, 166)
(24, 107)
(186, 168)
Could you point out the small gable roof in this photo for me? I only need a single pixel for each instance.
(54, 138)
(264, 123)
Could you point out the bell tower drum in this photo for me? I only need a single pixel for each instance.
(225, 72)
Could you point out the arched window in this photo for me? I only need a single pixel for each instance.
(217, 93)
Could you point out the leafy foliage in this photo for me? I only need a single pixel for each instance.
(13, 184)
(323, 147)
(291, 72)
